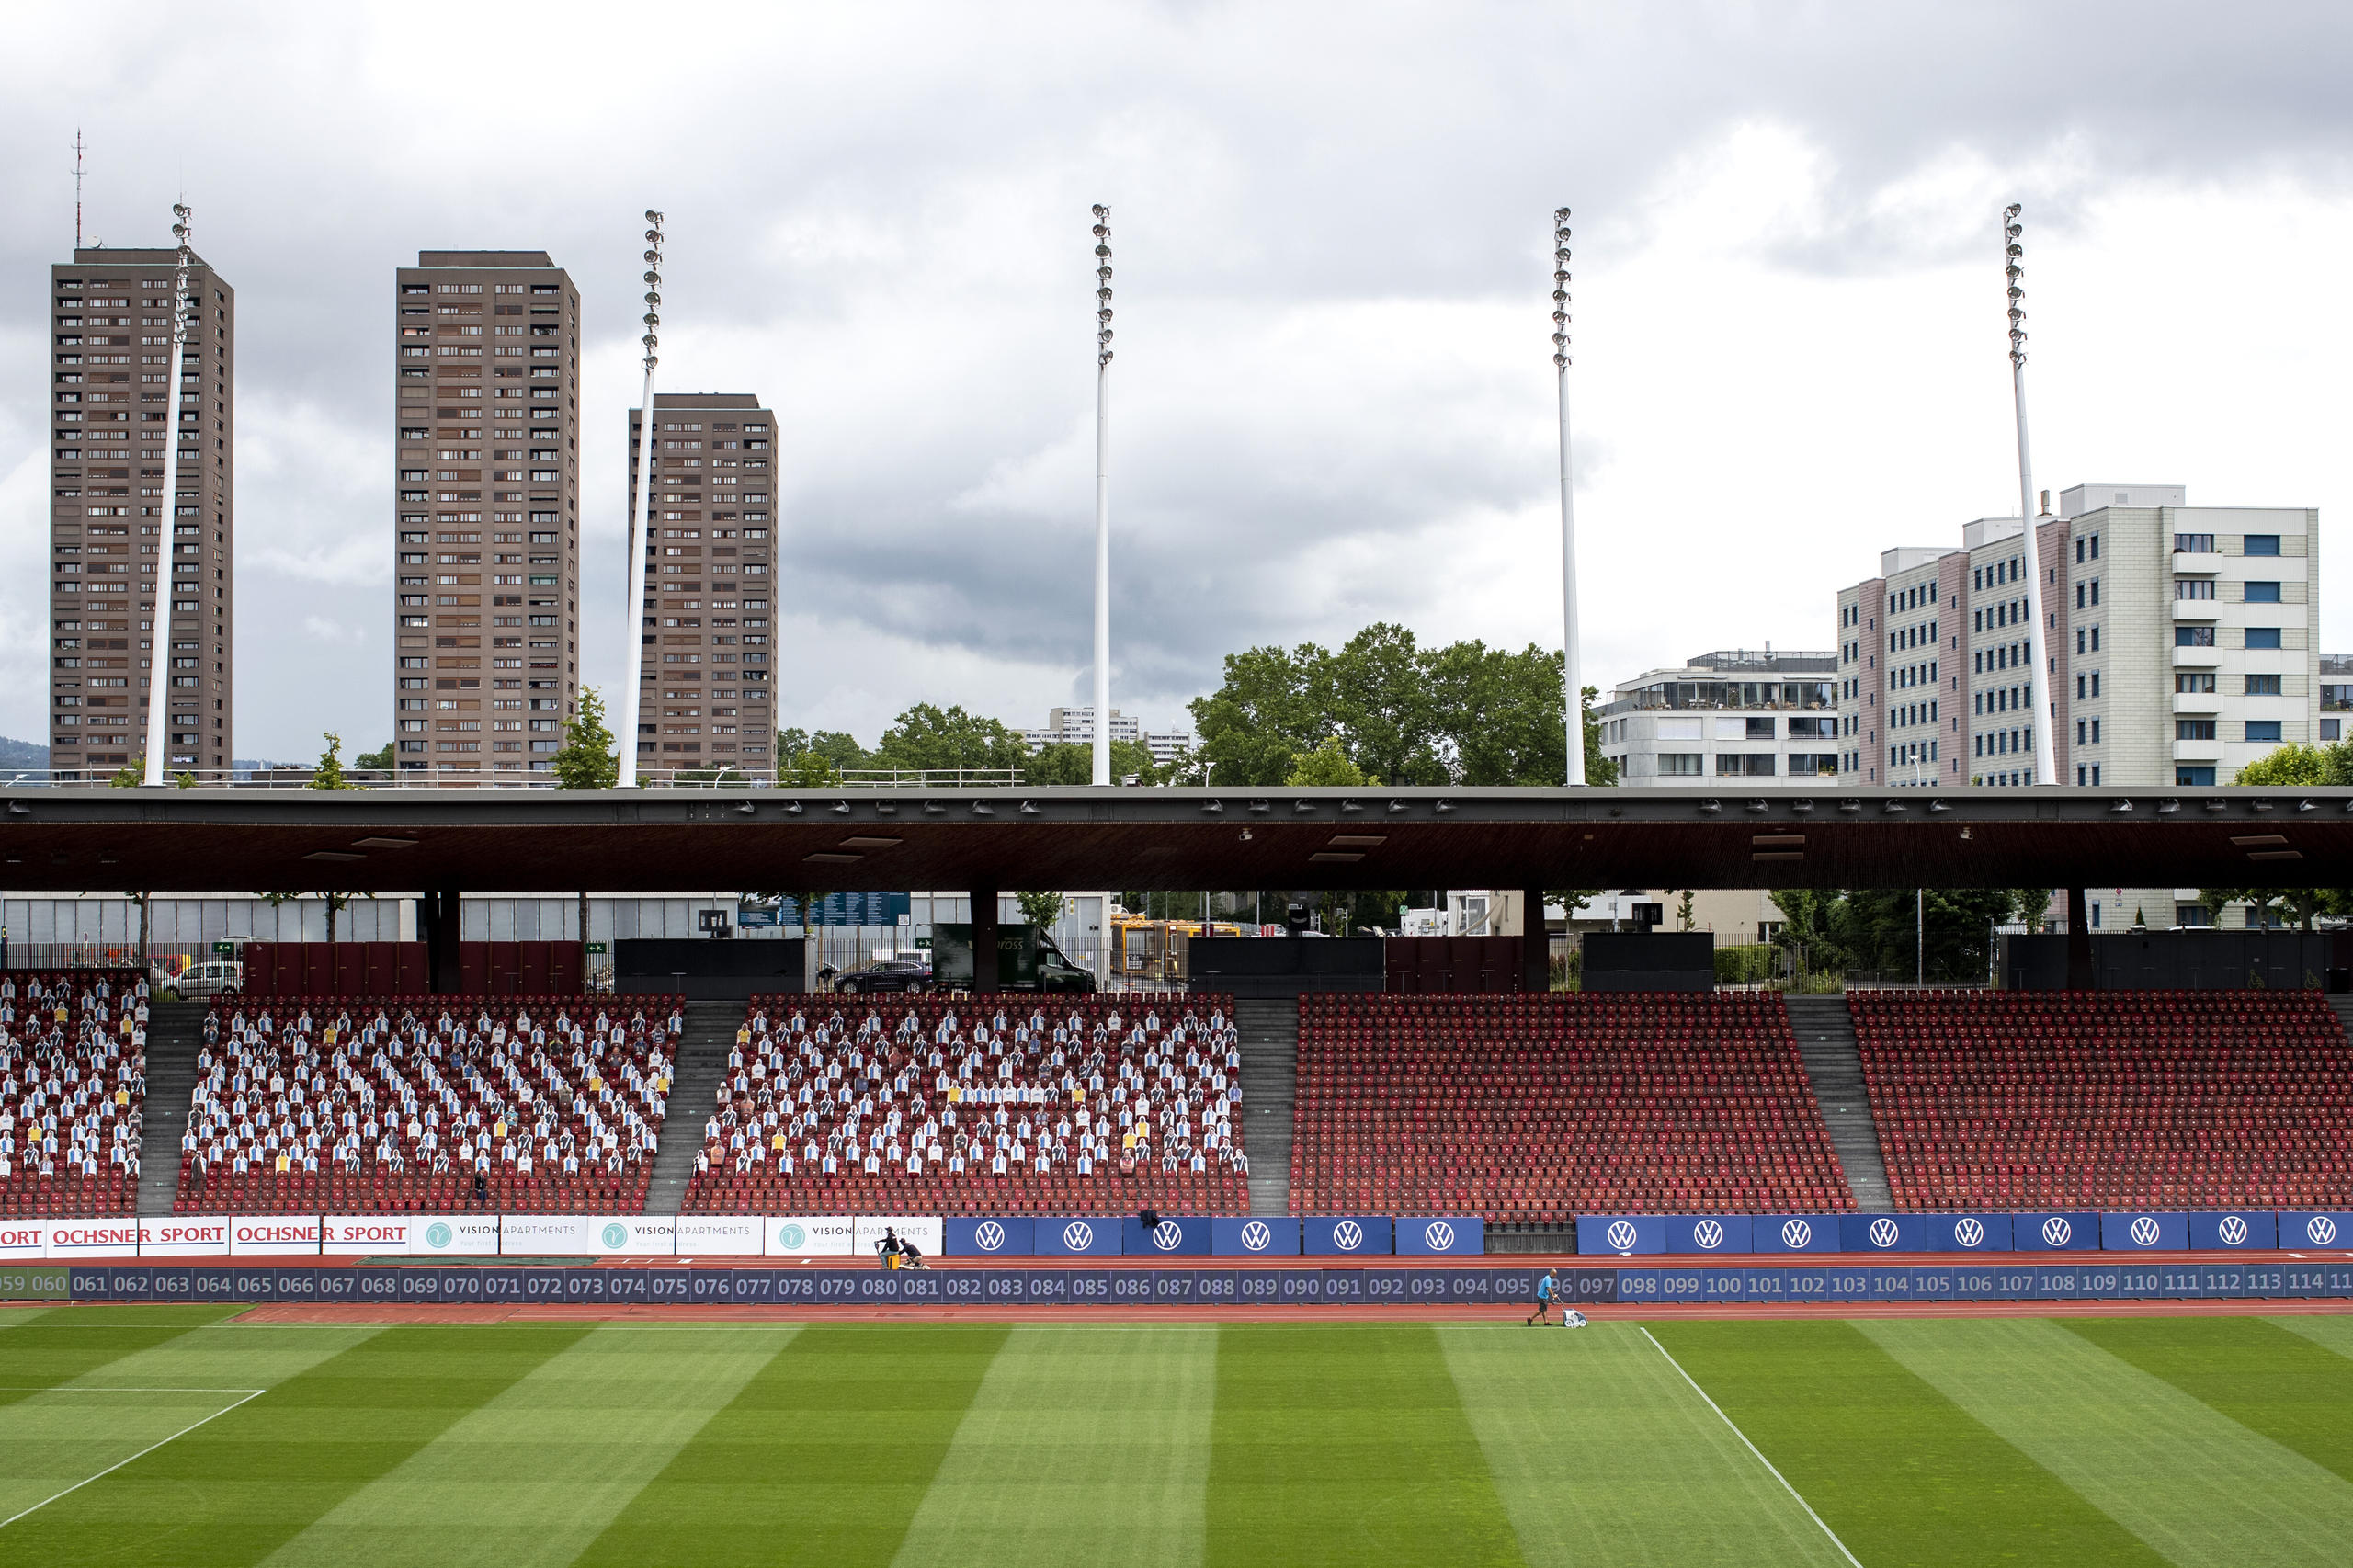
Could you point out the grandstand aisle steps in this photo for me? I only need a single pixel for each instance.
(1270, 1031)
(174, 1032)
(703, 1059)
(2342, 1005)
(1833, 1064)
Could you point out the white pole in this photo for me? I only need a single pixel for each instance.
(641, 511)
(2046, 766)
(1102, 495)
(159, 636)
(1571, 668)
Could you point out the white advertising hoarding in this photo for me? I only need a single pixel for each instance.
(929, 1231)
(196, 1236)
(453, 1235)
(808, 1235)
(93, 1238)
(23, 1239)
(629, 1236)
(542, 1235)
(352, 1234)
(274, 1235)
(719, 1235)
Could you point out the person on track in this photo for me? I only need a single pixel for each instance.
(1544, 1288)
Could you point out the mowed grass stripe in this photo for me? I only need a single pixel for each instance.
(1601, 1454)
(234, 1491)
(824, 1458)
(1902, 1474)
(74, 1433)
(1078, 1437)
(535, 1474)
(66, 1342)
(2196, 1485)
(2296, 1393)
(1347, 1444)
(2330, 1331)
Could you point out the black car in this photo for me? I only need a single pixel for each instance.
(887, 974)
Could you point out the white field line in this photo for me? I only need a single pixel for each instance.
(1751, 1447)
(249, 1394)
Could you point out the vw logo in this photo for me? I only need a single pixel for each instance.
(1885, 1232)
(1078, 1235)
(2321, 1229)
(988, 1236)
(791, 1238)
(1621, 1236)
(1257, 1237)
(1707, 1235)
(2233, 1230)
(1348, 1235)
(2144, 1231)
(1796, 1233)
(617, 1236)
(1969, 1233)
(1169, 1235)
(437, 1236)
(1439, 1235)
(2055, 1231)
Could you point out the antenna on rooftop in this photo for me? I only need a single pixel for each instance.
(641, 522)
(2046, 766)
(1569, 670)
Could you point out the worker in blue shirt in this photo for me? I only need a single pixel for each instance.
(1544, 1288)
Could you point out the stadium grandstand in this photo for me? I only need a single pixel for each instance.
(1528, 1108)
(1011, 1105)
(73, 1085)
(531, 1103)
(2130, 1099)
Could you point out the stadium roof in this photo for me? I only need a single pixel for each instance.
(772, 840)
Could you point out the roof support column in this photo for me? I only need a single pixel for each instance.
(437, 915)
(1535, 943)
(984, 971)
(2080, 974)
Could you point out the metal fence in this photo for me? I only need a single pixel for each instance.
(516, 779)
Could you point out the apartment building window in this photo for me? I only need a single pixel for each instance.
(2194, 778)
(2263, 593)
(1745, 765)
(2261, 544)
(2262, 730)
(2192, 588)
(2193, 637)
(2258, 686)
(2193, 729)
(2195, 681)
(1679, 764)
(2262, 637)
(2193, 544)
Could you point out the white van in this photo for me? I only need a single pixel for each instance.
(198, 980)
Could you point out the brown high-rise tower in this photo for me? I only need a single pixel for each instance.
(116, 567)
(486, 633)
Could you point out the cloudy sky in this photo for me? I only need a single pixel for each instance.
(1332, 398)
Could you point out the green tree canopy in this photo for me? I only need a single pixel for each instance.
(1073, 764)
(1328, 767)
(2296, 763)
(837, 748)
(328, 775)
(930, 739)
(589, 759)
(379, 761)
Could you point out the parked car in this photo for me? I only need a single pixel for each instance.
(214, 978)
(884, 975)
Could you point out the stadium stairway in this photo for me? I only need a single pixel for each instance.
(1833, 1065)
(2342, 1005)
(1270, 1031)
(174, 1031)
(703, 1059)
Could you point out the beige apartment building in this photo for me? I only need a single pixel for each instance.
(486, 599)
(118, 567)
(706, 696)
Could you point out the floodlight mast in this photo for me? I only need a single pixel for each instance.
(159, 636)
(2046, 765)
(642, 515)
(1102, 774)
(1571, 669)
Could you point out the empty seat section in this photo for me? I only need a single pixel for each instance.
(73, 1082)
(987, 1105)
(2109, 1099)
(1528, 1108)
(425, 1104)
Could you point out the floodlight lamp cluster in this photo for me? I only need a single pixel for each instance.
(1102, 285)
(652, 317)
(2014, 258)
(1560, 289)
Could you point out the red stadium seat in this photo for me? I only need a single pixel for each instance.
(72, 1092)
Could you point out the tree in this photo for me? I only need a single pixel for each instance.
(927, 738)
(328, 775)
(336, 902)
(806, 771)
(380, 761)
(1268, 710)
(1041, 909)
(2287, 766)
(1326, 767)
(589, 759)
(130, 776)
(1073, 764)
(837, 748)
(1683, 910)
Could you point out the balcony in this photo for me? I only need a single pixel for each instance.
(2197, 704)
(2197, 658)
(2198, 751)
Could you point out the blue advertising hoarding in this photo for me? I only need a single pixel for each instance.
(1424, 1234)
(996, 1237)
(1967, 1232)
(1706, 1233)
(1239, 1237)
(1070, 1235)
(1621, 1233)
(2043, 1231)
(2144, 1233)
(2235, 1231)
(2315, 1228)
(1794, 1233)
(1883, 1232)
(1352, 1234)
(1176, 1236)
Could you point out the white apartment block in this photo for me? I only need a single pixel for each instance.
(1076, 727)
(1729, 719)
(2183, 645)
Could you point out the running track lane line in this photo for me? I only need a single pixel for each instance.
(1749, 1446)
(251, 1395)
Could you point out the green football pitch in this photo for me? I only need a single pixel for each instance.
(159, 1434)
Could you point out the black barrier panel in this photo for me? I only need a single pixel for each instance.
(2093, 1279)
